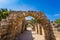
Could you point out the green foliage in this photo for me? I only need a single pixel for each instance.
(57, 21)
(33, 20)
(3, 13)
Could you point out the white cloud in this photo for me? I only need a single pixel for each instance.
(23, 7)
(57, 15)
(5, 2)
(12, 4)
(50, 17)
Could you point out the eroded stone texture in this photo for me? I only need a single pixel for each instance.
(13, 23)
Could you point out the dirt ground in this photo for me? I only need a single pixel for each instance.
(32, 35)
(56, 33)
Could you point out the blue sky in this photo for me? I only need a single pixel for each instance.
(51, 8)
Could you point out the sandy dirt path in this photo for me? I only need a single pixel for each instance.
(30, 35)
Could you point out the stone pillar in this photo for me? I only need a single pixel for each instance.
(49, 35)
(35, 28)
(12, 35)
(22, 30)
(22, 27)
(25, 27)
(40, 27)
(12, 31)
(19, 28)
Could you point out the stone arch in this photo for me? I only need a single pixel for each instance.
(20, 15)
(31, 24)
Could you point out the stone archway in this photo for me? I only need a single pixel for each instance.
(31, 24)
(18, 16)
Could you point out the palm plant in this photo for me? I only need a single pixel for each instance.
(33, 20)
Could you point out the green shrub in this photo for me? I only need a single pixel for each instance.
(57, 21)
(3, 13)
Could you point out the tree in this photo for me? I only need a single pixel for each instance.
(33, 20)
(57, 21)
(3, 13)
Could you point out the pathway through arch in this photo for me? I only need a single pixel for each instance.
(30, 35)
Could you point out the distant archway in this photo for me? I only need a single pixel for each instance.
(18, 16)
(32, 24)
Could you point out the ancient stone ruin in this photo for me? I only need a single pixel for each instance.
(12, 25)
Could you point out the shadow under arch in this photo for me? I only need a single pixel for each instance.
(31, 24)
(49, 35)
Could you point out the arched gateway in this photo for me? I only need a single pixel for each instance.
(17, 16)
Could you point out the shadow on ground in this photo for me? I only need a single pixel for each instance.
(27, 35)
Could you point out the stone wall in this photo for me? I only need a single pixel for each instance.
(4, 29)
